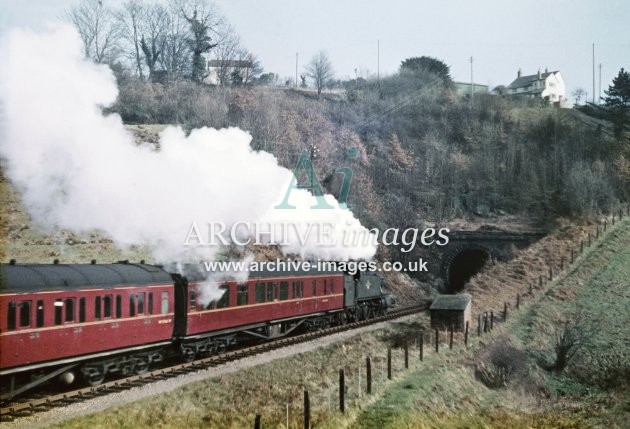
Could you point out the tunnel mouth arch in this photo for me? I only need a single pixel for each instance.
(463, 267)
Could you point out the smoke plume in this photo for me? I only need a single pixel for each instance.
(79, 169)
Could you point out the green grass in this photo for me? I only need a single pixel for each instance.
(441, 391)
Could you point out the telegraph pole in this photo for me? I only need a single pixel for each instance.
(296, 69)
(593, 73)
(472, 85)
(378, 63)
(599, 90)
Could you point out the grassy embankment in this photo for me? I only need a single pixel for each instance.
(443, 391)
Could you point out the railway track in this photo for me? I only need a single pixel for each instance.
(13, 410)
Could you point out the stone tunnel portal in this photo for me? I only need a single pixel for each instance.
(466, 264)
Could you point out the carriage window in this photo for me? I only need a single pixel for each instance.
(241, 295)
(25, 313)
(107, 306)
(314, 288)
(260, 292)
(81, 310)
(224, 301)
(150, 303)
(332, 286)
(193, 300)
(11, 319)
(325, 287)
(141, 303)
(69, 304)
(58, 311)
(118, 306)
(40, 314)
(270, 296)
(97, 308)
(284, 291)
(298, 289)
(132, 305)
(164, 302)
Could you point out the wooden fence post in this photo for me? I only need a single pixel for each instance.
(257, 422)
(518, 300)
(491, 320)
(437, 341)
(589, 239)
(307, 410)
(406, 354)
(562, 263)
(505, 313)
(605, 224)
(421, 346)
(597, 233)
(450, 341)
(531, 290)
(540, 282)
(389, 363)
(368, 366)
(581, 246)
(479, 325)
(550, 274)
(342, 390)
(466, 334)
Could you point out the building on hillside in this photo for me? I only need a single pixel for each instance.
(222, 72)
(464, 88)
(451, 311)
(548, 85)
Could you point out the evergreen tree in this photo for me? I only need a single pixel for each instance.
(618, 99)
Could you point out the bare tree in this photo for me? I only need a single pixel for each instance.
(131, 18)
(153, 41)
(320, 71)
(175, 56)
(579, 94)
(204, 20)
(225, 54)
(99, 30)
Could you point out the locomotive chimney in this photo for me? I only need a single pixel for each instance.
(518, 73)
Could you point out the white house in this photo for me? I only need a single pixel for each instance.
(547, 85)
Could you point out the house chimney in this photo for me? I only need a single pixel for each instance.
(546, 71)
(518, 73)
(539, 74)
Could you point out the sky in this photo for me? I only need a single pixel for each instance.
(361, 37)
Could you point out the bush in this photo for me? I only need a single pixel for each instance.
(499, 363)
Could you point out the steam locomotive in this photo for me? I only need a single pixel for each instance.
(68, 323)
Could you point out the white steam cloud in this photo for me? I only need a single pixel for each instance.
(79, 169)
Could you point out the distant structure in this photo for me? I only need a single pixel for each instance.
(451, 311)
(219, 70)
(548, 85)
(463, 88)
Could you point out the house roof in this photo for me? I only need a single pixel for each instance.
(525, 81)
(230, 63)
(451, 302)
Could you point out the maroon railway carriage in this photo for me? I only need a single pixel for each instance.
(68, 320)
(266, 305)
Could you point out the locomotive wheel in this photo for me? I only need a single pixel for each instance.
(188, 354)
(343, 319)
